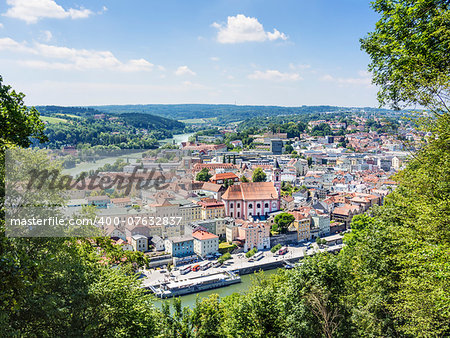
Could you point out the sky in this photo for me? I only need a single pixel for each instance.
(260, 52)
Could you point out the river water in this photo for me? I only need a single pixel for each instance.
(243, 286)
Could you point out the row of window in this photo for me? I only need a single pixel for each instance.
(250, 206)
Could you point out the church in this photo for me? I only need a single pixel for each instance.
(251, 199)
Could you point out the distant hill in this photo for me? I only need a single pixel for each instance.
(222, 113)
(135, 119)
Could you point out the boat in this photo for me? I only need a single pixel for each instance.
(177, 288)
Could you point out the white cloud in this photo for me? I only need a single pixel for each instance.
(46, 36)
(1, 25)
(364, 79)
(65, 58)
(241, 28)
(184, 70)
(33, 10)
(274, 75)
(214, 58)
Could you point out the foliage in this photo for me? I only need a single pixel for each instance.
(409, 51)
(125, 131)
(275, 248)
(259, 175)
(226, 256)
(282, 222)
(244, 179)
(203, 175)
(251, 252)
(18, 123)
(226, 247)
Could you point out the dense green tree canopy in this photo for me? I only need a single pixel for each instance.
(203, 175)
(409, 49)
(259, 175)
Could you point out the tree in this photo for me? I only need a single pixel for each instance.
(309, 159)
(409, 51)
(288, 149)
(259, 175)
(283, 221)
(244, 179)
(18, 123)
(228, 183)
(203, 175)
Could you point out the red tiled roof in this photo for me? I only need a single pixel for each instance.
(251, 191)
(202, 235)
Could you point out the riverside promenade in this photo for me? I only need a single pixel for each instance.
(238, 263)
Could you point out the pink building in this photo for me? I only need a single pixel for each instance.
(251, 199)
(253, 235)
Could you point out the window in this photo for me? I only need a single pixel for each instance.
(231, 205)
(239, 205)
(266, 205)
(258, 205)
(250, 206)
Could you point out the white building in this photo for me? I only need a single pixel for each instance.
(205, 243)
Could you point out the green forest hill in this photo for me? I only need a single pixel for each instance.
(392, 278)
(86, 127)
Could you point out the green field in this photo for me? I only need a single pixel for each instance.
(53, 119)
(69, 115)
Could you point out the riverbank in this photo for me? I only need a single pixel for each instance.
(242, 287)
(238, 264)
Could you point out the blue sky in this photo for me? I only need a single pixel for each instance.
(281, 52)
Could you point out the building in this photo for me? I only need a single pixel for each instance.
(158, 243)
(345, 214)
(205, 243)
(123, 202)
(164, 209)
(321, 221)
(211, 208)
(189, 213)
(287, 202)
(99, 201)
(253, 235)
(139, 243)
(302, 224)
(222, 177)
(180, 247)
(213, 189)
(251, 199)
(276, 146)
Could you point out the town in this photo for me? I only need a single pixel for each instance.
(224, 206)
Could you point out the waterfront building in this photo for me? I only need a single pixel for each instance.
(180, 246)
(302, 225)
(205, 243)
(253, 235)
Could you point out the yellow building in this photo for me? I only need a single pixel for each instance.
(211, 208)
(302, 224)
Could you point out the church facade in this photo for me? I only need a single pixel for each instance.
(251, 200)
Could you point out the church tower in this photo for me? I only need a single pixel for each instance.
(276, 177)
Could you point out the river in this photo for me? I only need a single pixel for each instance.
(86, 166)
(243, 286)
